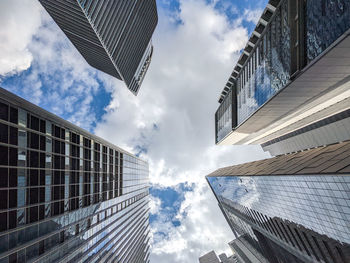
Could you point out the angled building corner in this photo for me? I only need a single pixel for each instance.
(112, 36)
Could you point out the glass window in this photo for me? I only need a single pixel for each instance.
(22, 138)
(3, 243)
(13, 136)
(48, 128)
(48, 144)
(22, 118)
(13, 153)
(32, 251)
(3, 155)
(4, 111)
(4, 132)
(13, 115)
(21, 158)
(3, 177)
(34, 123)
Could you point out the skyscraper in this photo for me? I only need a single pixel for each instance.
(293, 72)
(67, 195)
(112, 36)
(212, 258)
(289, 92)
(294, 208)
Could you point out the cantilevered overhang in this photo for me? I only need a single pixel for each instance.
(315, 91)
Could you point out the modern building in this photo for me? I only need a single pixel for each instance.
(245, 252)
(290, 208)
(290, 93)
(112, 36)
(67, 195)
(211, 257)
(293, 74)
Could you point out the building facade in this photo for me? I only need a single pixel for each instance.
(65, 194)
(289, 93)
(112, 36)
(290, 208)
(294, 71)
(211, 257)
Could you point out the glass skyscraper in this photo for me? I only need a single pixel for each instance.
(65, 194)
(113, 36)
(293, 71)
(289, 93)
(290, 208)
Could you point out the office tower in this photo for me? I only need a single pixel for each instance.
(245, 252)
(67, 195)
(294, 207)
(112, 36)
(289, 92)
(209, 258)
(212, 258)
(292, 74)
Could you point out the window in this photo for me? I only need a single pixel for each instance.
(22, 118)
(3, 177)
(13, 115)
(4, 133)
(4, 111)
(3, 155)
(13, 136)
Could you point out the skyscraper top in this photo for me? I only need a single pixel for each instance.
(112, 36)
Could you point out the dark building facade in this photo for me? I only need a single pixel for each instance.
(112, 36)
(290, 208)
(65, 194)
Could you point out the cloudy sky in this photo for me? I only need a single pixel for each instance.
(171, 121)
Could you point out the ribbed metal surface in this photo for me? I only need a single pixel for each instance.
(113, 36)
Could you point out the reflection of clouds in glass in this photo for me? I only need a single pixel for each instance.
(242, 190)
(251, 195)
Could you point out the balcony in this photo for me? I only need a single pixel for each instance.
(298, 53)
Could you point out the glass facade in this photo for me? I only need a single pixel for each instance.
(294, 34)
(224, 118)
(266, 71)
(308, 215)
(66, 195)
(326, 20)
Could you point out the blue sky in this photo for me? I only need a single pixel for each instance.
(170, 123)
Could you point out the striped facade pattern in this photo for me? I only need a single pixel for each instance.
(113, 36)
(65, 194)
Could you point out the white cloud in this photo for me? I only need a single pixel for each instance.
(154, 205)
(20, 20)
(173, 118)
(252, 15)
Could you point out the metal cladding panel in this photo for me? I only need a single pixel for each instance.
(67, 195)
(112, 36)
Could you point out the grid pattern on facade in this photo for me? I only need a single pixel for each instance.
(113, 36)
(60, 188)
(308, 226)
